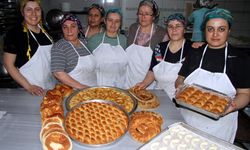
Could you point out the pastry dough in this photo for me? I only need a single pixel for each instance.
(96, 123)
(57, 141)
(209, 101)
(64, 89)
(146, 99)
(145, 125)
(52, 134)
(111, 94)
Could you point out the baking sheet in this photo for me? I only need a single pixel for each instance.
(200, 110)
(183, 136)
(134, 101)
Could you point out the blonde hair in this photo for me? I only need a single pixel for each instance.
(24, 2)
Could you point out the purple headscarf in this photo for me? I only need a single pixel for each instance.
(72, 17)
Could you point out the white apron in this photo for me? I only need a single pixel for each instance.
(139, 62)
(111, 64)
(166, 73)
(84, 72)
(37, 69)
(224, 128)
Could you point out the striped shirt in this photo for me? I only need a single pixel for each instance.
(63, 56)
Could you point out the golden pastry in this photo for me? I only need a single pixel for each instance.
(145, 125)
(146, 99)
(111, 94)
(96, 123)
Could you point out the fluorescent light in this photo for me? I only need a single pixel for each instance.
(110, 1)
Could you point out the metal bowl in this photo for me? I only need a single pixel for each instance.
(134, 101)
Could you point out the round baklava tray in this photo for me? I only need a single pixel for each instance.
(96, 123)
(117, 95)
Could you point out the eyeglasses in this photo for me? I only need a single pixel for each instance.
(178, 27)
(142, 15)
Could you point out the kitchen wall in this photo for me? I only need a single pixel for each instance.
(239, 8)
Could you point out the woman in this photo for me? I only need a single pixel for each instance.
(196, 18)
(142, 38)
(168, 56)
(71, 62)
(27, 51)
(95, 19)
(220, 67)
(108, 49)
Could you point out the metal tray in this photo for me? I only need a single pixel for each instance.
(200, 110)
(105, 102)
(134, 101)
(186, 136)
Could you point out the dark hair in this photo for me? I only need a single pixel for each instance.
(98, 7)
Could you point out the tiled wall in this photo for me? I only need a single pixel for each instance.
(239, 8)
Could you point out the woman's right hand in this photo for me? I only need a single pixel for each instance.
(36, 90)
(141, 85)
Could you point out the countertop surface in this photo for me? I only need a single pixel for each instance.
(20, 122)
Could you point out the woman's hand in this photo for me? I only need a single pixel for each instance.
(240, 101)
(141, 85)
(35, 90)
(197, 44)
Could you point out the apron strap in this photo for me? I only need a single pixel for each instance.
(117, 37)
(86, 32)
(41, 31)
(182, 48)
(82, 45)
(225, 63)
(151, 34)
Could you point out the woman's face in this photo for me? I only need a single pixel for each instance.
(70, 30)
(113, 23)
(175, 30)
(32, 13)
(217, 31)
(145, 15)
(94, 17)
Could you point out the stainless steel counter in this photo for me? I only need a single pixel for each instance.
(20, 123)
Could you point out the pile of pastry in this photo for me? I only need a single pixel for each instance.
(145, 98)
(96, 122)
(207, 100)
(52, 134)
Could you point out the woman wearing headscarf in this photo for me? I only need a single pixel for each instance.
(220, 67)
(95, 20)
(142, 39)
(196, 18)
(27, 51)
(168, 56)
(71, 61)
(108, 50)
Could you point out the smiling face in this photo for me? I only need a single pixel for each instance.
(32, 13)
(94, 17)
(70, 31)
(175, 30)
(145, 16)
(113, 23)
(217, 31)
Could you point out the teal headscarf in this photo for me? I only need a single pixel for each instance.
(177, 16)
(218, 13)
(114, 10)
